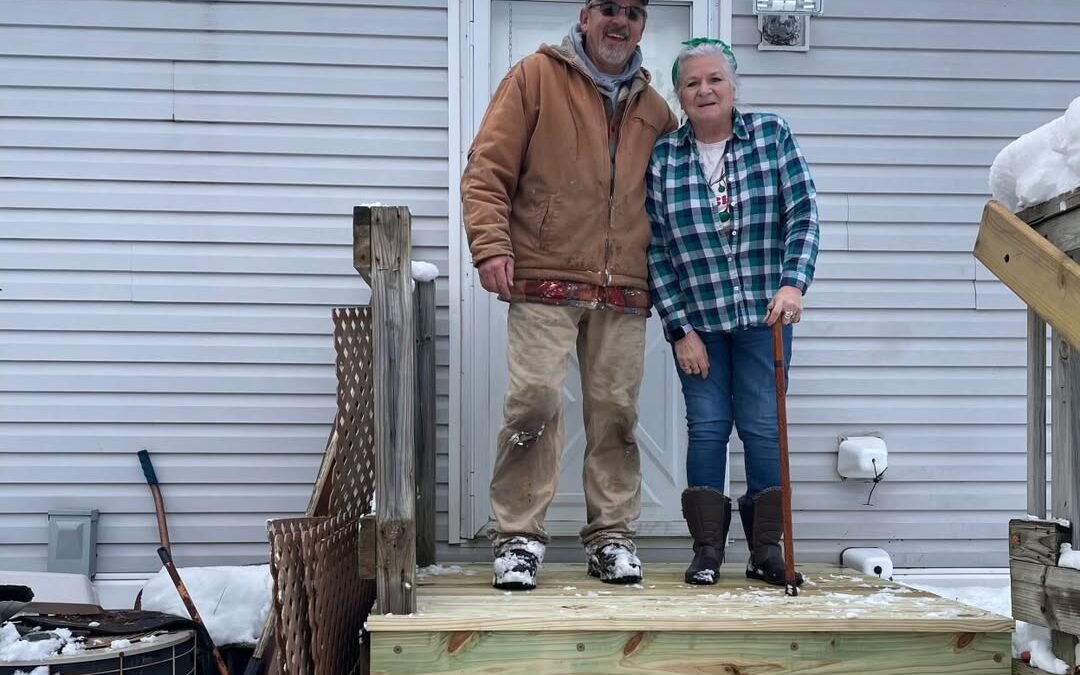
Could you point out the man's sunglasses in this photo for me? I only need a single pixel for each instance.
(610, 9)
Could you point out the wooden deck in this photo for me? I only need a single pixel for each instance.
(841, 623)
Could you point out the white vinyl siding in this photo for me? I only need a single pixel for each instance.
(900, 108)
(175, 225)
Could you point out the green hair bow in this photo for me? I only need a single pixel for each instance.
(697, 42)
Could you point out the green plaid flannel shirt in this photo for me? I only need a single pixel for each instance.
(715, 281)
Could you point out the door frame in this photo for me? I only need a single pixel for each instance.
(469, 49)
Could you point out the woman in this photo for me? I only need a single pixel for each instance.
(734, 240)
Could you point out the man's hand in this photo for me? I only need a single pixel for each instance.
(497, 274)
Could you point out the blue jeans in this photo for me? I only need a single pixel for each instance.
(741, 392)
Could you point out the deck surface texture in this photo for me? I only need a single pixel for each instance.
(831, 600)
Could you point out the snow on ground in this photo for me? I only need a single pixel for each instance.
(233, 601)
(996, 599)
(40, 670)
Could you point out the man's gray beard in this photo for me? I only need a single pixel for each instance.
(614, 56)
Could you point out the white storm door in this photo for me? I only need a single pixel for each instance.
(518, 27)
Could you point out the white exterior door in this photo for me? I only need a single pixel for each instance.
(517, 29)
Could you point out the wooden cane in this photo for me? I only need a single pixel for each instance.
(790, 586)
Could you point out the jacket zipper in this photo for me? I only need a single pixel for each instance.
(606, 275)
(611, 194)
(611, 191)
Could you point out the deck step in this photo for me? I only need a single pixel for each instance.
(842, 622)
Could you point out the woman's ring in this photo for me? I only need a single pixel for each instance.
(789, 315)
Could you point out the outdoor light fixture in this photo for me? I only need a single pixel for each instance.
(773, 7)
(785, 24)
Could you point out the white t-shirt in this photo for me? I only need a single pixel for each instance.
(712, 160)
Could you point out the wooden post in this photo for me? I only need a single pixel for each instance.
(1065, 437)
(393, 346)
(1036, 415)
(425, 423)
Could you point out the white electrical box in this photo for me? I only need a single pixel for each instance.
(873, 561)
(862, 457)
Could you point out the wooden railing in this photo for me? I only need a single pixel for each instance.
(1034, 253)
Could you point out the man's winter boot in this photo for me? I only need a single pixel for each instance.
(764, 523)
(614, 562)
(517, 560)
(708, 515)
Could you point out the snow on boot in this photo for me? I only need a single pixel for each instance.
(517, 561)
(708, 514)
(615, 562)
(763, 521)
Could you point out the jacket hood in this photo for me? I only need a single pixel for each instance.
(565, 52)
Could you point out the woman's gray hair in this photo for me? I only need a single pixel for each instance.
(708, 49)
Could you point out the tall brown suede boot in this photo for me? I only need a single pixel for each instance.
(708, 516)
(763, 523)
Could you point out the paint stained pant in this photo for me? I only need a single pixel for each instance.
(611, 351)
(741, 392)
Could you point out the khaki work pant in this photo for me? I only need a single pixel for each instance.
(611, 352)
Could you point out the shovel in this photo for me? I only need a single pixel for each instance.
(165, 553)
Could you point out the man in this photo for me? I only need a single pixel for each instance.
(554, 207)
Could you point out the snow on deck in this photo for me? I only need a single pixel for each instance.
(832, 599)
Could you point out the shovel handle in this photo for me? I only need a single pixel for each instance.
(147, 468)
(185, 596)
(159, 501)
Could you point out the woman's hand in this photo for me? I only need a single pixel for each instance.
(786, 305)
(691, 357)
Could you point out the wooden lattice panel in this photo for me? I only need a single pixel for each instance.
(354, 466)
(293, 623)
(319, 598)
(338, 599)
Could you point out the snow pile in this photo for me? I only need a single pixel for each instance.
(14, 648)
(1042, 657)
(424, 271)
(40, 670)
(1026, 638)
(1041, 164)
(1064, 522)
(233, 601)
(1069, 557)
